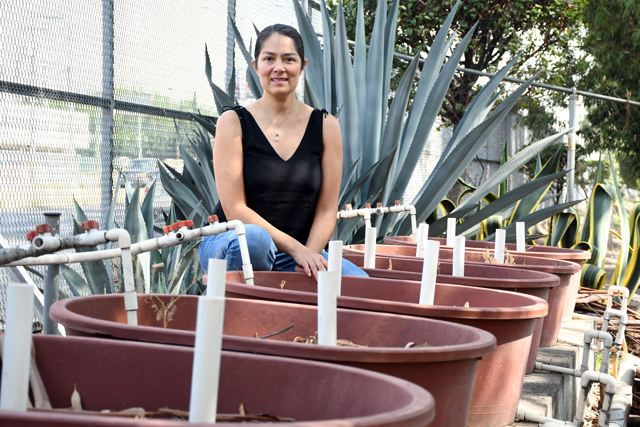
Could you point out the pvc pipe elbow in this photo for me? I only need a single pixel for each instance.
(119, 235)
(605, 379)
(236, 225)
(601, 335)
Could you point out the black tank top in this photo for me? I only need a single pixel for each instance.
(284, 193)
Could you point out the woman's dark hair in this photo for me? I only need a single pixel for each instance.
(284, 30)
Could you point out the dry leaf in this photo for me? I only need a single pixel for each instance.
(390, 265)
(466, 304)
(241, 409)
(282, 284)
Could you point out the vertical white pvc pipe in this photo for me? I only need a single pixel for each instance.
(216, 277)
(458, 256)
(498, 252)
(429, 271)
(520, 244)
(327, 308)
(335, 261)
(419, 247)
(370, 247)
(451, 231)
(205, 378)
(16, 354)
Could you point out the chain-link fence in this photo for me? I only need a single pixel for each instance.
(88, 89)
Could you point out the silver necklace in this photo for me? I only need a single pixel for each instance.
(281, 123)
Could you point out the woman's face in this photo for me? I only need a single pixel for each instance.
(279, 65)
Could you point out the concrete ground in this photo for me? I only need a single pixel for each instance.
(551, 394)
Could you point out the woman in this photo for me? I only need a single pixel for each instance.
(278, 167)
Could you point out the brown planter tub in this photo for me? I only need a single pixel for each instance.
(446, 368)
(565, 254)
(507, 315)
(557, 298)
(116, 375)
(538, 284)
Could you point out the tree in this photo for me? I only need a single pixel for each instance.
(613, 40)
(541, 31)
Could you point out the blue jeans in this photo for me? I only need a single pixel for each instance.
(263, 253)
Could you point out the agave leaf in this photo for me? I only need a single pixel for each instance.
(200, 175)
(503, 188)
(511, 166)
(623, 258)
(530, 202)
(208, 124)
(188, 183)
(634, 226)
(134, 223)
(313, 52)
(429, 115)
(147, 209)
(599, 177)
(389, 45)
(179, 273)
(231, 87)
(346, 97)
(393, 129)
(631, 279)
(79, 288)
(592, 277)
(538, 164)
(184, 199)
(430, 69)
(562, 230)
(490, 225)
(353, 189)
(347, 177)
(360, 78)
(537, 216)
(207, 170)
(495, 207)
(595, 229)
(479, 107)
(447, 172)
(440, 225)
(328, 52)
(221, 97)
(252, 77)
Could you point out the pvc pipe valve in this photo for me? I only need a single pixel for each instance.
(31, 235)
(213, 219)
(397, 202)
(166, 229)
(367, 205)
(90, 225)
(44, 228)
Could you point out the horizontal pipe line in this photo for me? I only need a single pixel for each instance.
(95, 101)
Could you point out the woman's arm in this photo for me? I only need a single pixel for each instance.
(324, 220)
(228, 166)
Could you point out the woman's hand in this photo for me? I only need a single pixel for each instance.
(309, 261)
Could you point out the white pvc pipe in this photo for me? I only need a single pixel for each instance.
(520, 241)
(498, 252)
(615, 290)
(429, 272)
(335, 261)
(327, 308)
(370, 237)
(451, 230)
(130, 295)
(205, 378)
(419, 252)
(216, 277)
(16, 354)
(458, 256)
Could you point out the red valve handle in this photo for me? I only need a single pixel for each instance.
(348, 206)
(213, 219)
(175, 226)
(31, 235)
(379, 205)
(166, 229)
(367, 205)
(90, 225)
(397, 202)
(44, 228)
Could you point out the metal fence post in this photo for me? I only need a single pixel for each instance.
(571, 148)
(51, 279)
(106, 150)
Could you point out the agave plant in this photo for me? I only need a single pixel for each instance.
(169, 270)
(382, 142)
